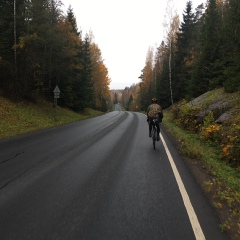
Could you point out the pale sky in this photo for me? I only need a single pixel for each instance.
(124, 30)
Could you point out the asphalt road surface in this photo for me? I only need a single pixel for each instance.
(100, 179)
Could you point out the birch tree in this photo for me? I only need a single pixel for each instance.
(15, 40)
(170, 29)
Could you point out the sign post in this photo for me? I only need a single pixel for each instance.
(56, 92)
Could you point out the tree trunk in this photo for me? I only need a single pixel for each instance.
(15, 42)
(170, 70)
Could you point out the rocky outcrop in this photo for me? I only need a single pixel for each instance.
(225, 116)
(220, 106)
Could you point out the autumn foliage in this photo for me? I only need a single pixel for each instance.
(41, 47)
(226, 136)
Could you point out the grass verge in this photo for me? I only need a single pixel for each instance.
(223, 187)
(18, 117)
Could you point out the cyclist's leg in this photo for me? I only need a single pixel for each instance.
(150, 127)
(158, 131)
(154, 137)
(158, 128)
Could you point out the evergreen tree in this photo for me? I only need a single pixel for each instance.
(38, 49)
(87, 81)
(71, 76)
(45, 49)
(183, 56)
(130, 101)
(144, 91)
(12, 26)
(115, 98)
(193, 90)
(72, 19)
(232, 47)
(84, 84)
(163, 91)
(207, 72)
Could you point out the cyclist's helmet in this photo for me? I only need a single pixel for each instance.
(154, 100)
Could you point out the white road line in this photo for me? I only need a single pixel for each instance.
(191, 213)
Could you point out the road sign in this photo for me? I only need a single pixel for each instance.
(56, 92)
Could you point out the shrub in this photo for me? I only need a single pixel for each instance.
(231, 146)
(211, 132)
(185, 116)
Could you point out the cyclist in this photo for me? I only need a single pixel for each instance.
(154, 111)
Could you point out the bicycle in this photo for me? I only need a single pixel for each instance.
(154, 131)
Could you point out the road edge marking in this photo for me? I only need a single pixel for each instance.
(191, 213)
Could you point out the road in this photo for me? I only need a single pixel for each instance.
(100, 179)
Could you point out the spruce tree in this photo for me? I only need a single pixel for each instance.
(72, 20)
(163, 91)
(130, 101)
(232, 47)
(183, 56)
(207, 72)
(87, 93)
(193, 90)
(115, 98)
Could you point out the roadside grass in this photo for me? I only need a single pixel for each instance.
(224, 185)
(19, 117)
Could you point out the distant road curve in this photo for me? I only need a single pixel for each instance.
(118, 107)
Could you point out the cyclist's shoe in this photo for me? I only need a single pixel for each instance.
(158, 138)
(150, 135)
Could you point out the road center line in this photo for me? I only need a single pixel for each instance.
(191, 213)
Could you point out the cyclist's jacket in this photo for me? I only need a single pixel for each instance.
(154, 111)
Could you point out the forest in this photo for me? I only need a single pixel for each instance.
(197, 54)
(41, 48)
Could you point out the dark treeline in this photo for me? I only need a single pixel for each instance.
(199, 54)
(41, 47)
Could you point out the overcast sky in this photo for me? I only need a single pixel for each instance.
(124, 30)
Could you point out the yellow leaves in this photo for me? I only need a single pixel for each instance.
(23, 41)
(209, 132)
(100, 76)
(225, 136)
(231, 145)
(226, 150)
(67, 38)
